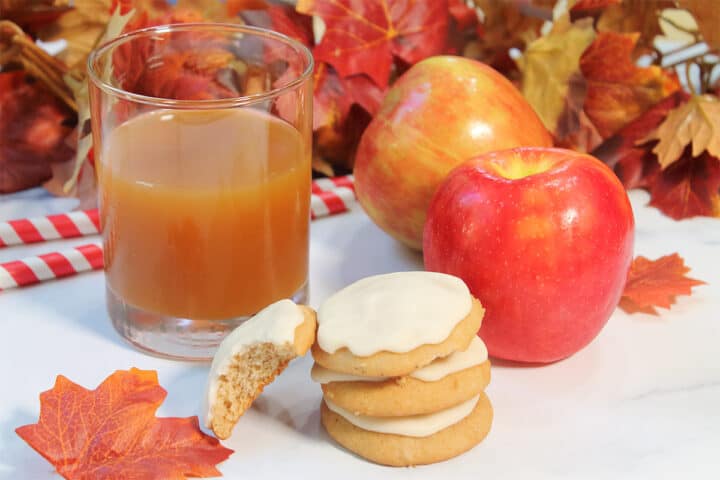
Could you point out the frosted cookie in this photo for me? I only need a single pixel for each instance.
(441, 384)
(251, 356)
(390, 325)
(407, 441)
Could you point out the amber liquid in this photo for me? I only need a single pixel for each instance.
(205, 213)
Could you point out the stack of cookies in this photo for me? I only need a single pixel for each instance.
(402, 371)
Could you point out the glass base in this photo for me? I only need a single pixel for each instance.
(173, 337)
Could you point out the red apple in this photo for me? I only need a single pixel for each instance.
(441, 112)
(543, 237)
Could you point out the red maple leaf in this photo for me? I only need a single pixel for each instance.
(656, 283)
(365, 36)
(333, 96)
(34, 128)
(689, 187)
(112, 432)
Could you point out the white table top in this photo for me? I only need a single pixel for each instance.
(642, 401)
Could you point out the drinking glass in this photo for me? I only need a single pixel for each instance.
(202, 143)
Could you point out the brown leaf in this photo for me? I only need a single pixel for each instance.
(688, 187)
(634, 16)
(656, 283)
(507, 24)
(34, 126)
(19, 51)
(547, 66)
(32, 15)
(322, 166)
(80, 28)
(696, 123)
(336, 143)
(112, 432)
(574, 129)
(619, 90)
(633, 163)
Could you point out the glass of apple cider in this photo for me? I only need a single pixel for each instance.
(202, 143)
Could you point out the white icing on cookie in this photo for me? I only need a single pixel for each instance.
(412, 426)
(323, 375)
(275, 324)
(475, 354)
(396, 312)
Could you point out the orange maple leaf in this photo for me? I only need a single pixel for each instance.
(656, 283)
(112, 432)
(618, 90)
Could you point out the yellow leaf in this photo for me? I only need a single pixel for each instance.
(695, 123)
(79, 87)
(548, 65)
(80, 28)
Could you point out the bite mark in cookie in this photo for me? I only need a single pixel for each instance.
(251, 356)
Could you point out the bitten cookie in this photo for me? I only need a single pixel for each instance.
(251, 357)
(441, 384)
(390, 325)
(406, 450)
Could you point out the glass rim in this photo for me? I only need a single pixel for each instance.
(230, 102)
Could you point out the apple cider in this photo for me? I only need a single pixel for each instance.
(206, 213)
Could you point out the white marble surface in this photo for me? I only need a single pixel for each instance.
(641, 402)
